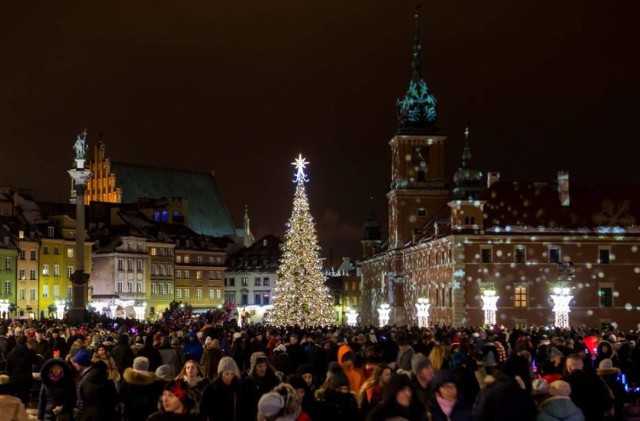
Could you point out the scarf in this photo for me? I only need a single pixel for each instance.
(445, 405)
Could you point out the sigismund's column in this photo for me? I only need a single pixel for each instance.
(79, 290)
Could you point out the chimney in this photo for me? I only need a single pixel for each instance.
(492, 177)
(563, 188)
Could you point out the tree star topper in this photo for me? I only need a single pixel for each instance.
(300, 163)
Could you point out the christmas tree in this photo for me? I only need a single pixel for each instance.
(300, 296)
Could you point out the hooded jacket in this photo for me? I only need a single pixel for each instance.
(122, 354)
(353, 374)
(389, 407)
(192, 348)
(59, 393)
(139, 393)
(559, 408)
(98, 394)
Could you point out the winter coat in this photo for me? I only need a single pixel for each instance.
(41, 348)
(389, 407)
(337, 406)
(504, 400)
(297, 356)
(460, 412)
(403, 360)
(210, 358)
(255, 386)
(224, 402)
(53, 394)
(122, 354)
(12, 409)
(590, 393)
(19, 362)
(139, 394)
(610, 377)
(97, 394)
(192, 348)
(559, 408)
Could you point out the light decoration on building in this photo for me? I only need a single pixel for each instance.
(300, 295)
(489, 300)
(60, 309)
(383, 314)
(4, 308)
(352, 317)
(561, 298)
(140, 311)
(114, 311)
(423, 306)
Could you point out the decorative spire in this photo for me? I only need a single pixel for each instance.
(246, 222)
(417, 110)
(372, 230)
(466, 153)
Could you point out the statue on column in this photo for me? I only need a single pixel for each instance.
(80, 147)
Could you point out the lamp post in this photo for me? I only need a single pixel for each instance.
(79, 279)
(383, 314)
(4, 308)
(489, 299)
(352, 317)
(423, 306)
(561, 298)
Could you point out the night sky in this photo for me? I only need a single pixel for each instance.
(242, 87)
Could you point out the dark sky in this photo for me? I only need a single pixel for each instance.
(243, 87)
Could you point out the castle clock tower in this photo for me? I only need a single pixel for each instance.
(418, 189)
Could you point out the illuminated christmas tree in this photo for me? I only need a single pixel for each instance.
(300, 296)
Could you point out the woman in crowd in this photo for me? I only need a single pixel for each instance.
(211, 356)
(57, 393)
(194, 376)
(103, 355)
(446, 406)
(371, 390)
(223, 399)
(399, 402)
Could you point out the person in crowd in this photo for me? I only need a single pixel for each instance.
(176, 345)
(296, 353)
(399, 401)
(57, 393)
(504, 399)
(97, 397)
(40, 345)
(347, 360)
(308, 401)
(539, 391)
(211, 356)
(604, 350)
(559, 405)
(405, 354)
(175, 403)
(192, 348)
(306, 371)
(237, 349)
(103, 355)
(281, 361)
(19, 366)
(371, 390)
(57, 344)
(168, 355)
(609, 373)
(223, 399)
(438, 357)
(165, 373)
(464, 369)
(554, 364)
(588, 391)
(447, 405)
(281, 404)
(151, 352)
(12, 408)
(337, 402)
(260, 379)
(122, 354)
(193, 374)
(139, 391)
(421, 377)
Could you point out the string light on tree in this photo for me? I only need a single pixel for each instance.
(300, 295)
(561, 298)
(489, 299)
(383, 313)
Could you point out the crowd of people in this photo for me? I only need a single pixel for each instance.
(188, 368)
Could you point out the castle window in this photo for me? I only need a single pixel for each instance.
(554, 254)
(604, 256)
(485, 255)
(520, 254)
(520, 296)
(422, 212)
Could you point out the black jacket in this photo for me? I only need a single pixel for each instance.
(590, 393)
(122, 354)
(60, 393)
(98, 394)
(139, 393)
(504, 400)
(222, 402)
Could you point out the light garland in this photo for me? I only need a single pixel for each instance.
(300, 295)
(352, 317)
(489, 299)
(423, 306)
(561, 298)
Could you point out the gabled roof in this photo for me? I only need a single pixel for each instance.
(207, 212)
(262, 256)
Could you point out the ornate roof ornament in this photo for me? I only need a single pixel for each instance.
(467, 180)
(417, 110)
(300, 163)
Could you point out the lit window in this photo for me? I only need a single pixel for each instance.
(69, 271)
(45, 270)
(70, 253)
(199, 293)
(154, 251)
(186, 294)
(178, 293)
(45, 291)
(199, 275)
(153, 289)
(245, 281)
(218, 294)
(211, 294)
(521, 296)
(56, 270)
(7, 263)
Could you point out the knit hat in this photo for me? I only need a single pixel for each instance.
(539, 387)
(141, 364)
(165, 372)
(442, 377)
(560, 388)
(339, 379)
(83, 357)
(605, 364)
(418, 362)
(180, 388)
(304, 369)
(228, 364)
(270, 404)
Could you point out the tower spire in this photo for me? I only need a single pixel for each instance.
(467, 180)
(466, 153)
(416, 64)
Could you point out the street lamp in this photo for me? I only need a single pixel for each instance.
(423, 306)
(352, 317)
(383, 313)
(561, 298)
(4, 308)
(489, 299)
